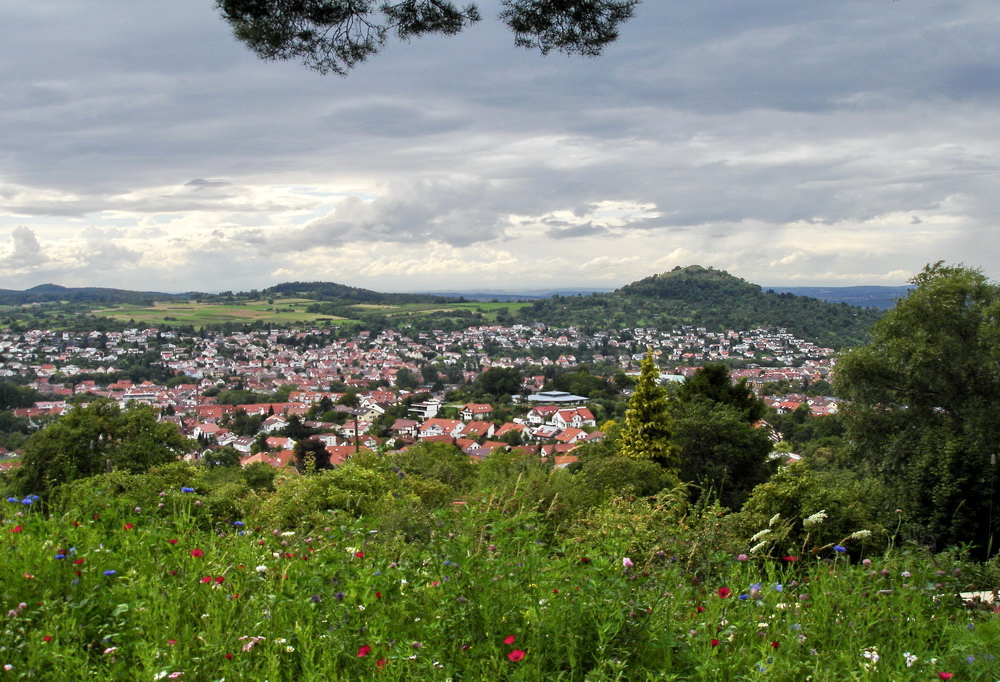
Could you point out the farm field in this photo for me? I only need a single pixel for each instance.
(285, 311)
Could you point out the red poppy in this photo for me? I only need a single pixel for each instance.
(946, 676)
(364, 651)
(360, 555)
(380, 663)
(47, 638)
(172, 541)
(229, 656)
(15, 529)
(700, 608)
(790, 558)
(207, 579)
(515, 655)
(76, 523)
(775, 645)
(220, 579)
(127, 526)
(378, 595)
(715, 642)
(78, 561)
(197, 553)
(510, 639)
(724, 592)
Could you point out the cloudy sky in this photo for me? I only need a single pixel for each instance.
(789, 143)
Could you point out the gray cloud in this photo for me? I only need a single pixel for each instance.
(26, 251)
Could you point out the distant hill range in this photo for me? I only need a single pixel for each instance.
(692, 296)
(882, 298)
(48, 293)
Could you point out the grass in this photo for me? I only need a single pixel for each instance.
(163, 589)
(281, 312)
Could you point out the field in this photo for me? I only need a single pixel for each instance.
(282, 312)
(142, 581)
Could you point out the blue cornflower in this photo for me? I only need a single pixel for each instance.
(110, 571)
(339, 596)
(839, 548)
(778, 587)
(238, 524)
(744, 597)
(970, 659)
(447, 563)
(185, 489)
(27, 500)
(60, 555)
(13, 499)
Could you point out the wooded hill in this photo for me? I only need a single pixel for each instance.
(705, 297)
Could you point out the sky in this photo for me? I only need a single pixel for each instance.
(788, 143)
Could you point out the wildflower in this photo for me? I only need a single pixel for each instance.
(261, 569)
(111, 650)
(197, 553)
(229, 656)
(364, 651)
(840, 549)
(109, 572)
(584, 560)
(516, 655)
(15, 529)
(627, 563)
(380, 663)
(47, 638)
(715, 642)
(866, 562)
(778, 587)
(860, 534)
(360, 555)
(8, 667)
(724, 592)
(759, 534)
(185, 489)
(905, 574)
(339, 596)
(137, 510)
(910, 659)
(172, 541)
(742, 557)
(207, 579)
(946, 676)
(759, 546)
(774, 644)
(127, 526)
(238, 524)
(790, 558)
(774, 519)
(815, 519)
(510, 639)
(219, 579)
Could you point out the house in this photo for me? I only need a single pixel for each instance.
(473, 411)
(541, 414)
(478, 429)
(404, 428)
(577, 417)
(571, 435)
(440, 427)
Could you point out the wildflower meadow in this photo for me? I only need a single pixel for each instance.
(159, 581)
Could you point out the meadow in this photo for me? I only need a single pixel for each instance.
(158, 577)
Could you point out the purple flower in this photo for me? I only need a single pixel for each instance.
(627, 563)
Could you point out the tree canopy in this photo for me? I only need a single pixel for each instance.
(98, 438)
(648, 431)
(333, 36)
(924, 395)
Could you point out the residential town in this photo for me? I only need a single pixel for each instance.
(384, 390)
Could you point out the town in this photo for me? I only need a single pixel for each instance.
(259, 391)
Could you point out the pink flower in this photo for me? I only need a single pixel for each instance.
(627, 563)
(742, 557)
(510, 639)
(515, 655)
(197, 553)
(946, 676)
(364, 651)
(360, 555)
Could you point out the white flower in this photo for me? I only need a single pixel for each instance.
(759, 546)
(774, 519)
(815, 519)
(759, 534)
(860, 534)
(910, 659)
(262, 569)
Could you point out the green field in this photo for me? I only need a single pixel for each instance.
(282, 312)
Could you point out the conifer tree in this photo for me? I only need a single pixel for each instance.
(647, 433)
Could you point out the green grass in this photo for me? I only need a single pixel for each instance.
(281, 312)
(118, 589)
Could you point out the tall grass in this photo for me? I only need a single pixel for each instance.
(160, 589)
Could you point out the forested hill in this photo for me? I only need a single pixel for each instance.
(707, 298)
(331, 291)
(48, 293)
